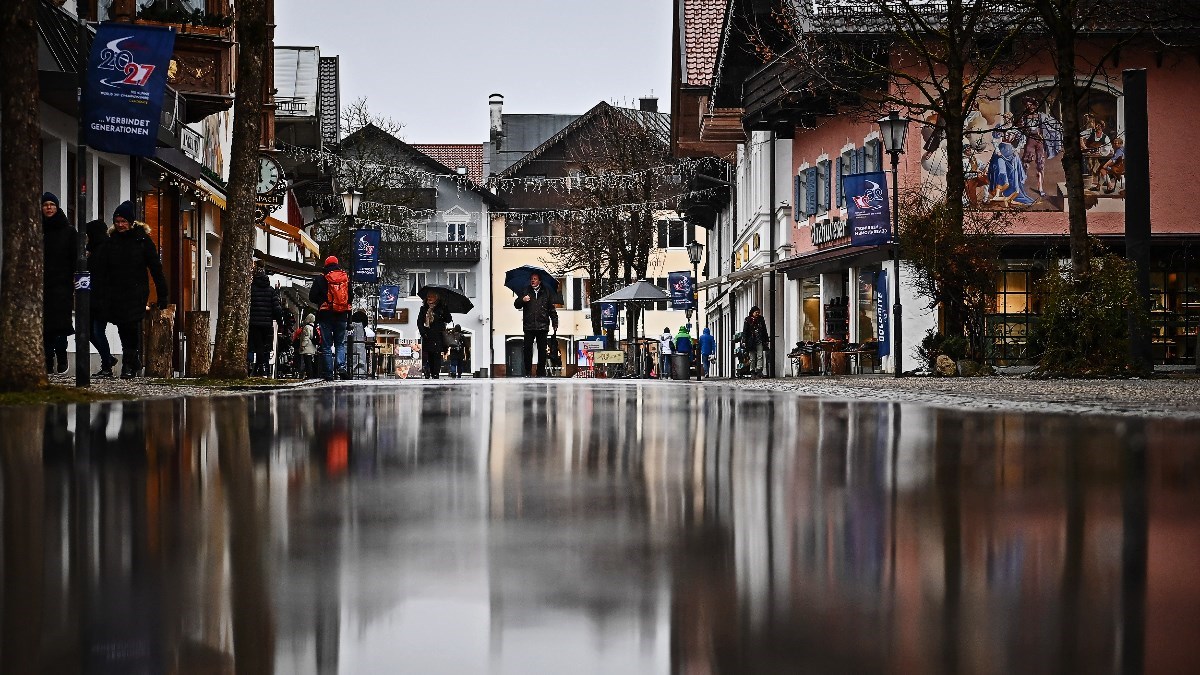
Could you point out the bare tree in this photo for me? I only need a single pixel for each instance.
(612, 232)
(237, 249)
(22, 366)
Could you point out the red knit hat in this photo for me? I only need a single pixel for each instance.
(331, 260)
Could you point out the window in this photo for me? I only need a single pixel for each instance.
(757, 242)
(1012, 314)
(662, 305)
(416, 280)
(456, 231)
(673, 233)
(457, 281)
(576, 294)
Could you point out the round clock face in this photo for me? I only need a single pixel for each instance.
(270, 174)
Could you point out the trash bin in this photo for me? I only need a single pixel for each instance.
(681, 366)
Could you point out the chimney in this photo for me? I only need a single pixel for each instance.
(649, 103)
(496, 110)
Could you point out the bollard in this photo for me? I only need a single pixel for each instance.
(199, 352)
(158, 350)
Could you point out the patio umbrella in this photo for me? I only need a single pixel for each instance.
(453, 300)
(517, 279)
(640, 292)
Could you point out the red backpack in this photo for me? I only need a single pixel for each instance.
(337, 295)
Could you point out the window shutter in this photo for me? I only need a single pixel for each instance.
(810, 200)
(861, 155)
(577, 293)
(828, 187)
(690, 235)
(877, 154)
(841, 192)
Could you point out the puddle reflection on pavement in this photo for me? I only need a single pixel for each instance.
(593, 527)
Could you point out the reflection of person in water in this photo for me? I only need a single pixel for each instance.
(1006, 173)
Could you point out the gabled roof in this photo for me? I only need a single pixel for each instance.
(657, 123)
(372, 133)
(702, 23)
(455, 155)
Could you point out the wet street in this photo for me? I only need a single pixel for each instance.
(594, 527)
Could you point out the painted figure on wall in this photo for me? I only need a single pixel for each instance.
(1043, 139)
(1006, 169)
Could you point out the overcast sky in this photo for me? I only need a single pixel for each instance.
(431, 64)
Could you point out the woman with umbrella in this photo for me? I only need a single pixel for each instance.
(431, 322)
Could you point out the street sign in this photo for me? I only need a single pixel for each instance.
(592, 345)
(608, 356)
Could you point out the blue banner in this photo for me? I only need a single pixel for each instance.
(867, 213)
(388, 295)
(882, 325)
(123, 93)
(680, 286)
(608, 315)
(366, 256)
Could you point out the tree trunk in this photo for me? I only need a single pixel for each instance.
(237, 249)
(1072, 159)
(22, 364)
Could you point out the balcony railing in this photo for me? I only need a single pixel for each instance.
(442, 251)
(543, 241)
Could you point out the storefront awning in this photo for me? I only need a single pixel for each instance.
(832, 260)
(289, 268)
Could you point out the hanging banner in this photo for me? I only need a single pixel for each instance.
(867, 212)
(123, 91)
(680, 284)
(882, 327)
(366, 256)
(388, 295)
(608, 315)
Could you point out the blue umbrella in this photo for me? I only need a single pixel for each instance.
(517, 279)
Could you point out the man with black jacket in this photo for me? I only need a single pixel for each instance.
(265, 310)
(332, 294)
(536, 303)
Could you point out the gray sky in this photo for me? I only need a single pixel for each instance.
(431, 64)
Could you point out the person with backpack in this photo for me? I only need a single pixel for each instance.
(265, 310)
(458, 351)
(666, 347)
(332, 294)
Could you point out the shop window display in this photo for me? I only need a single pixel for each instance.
(1174, 311)
(1012, 314)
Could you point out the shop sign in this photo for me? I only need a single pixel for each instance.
(825, 231)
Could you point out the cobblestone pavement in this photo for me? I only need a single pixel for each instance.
(1177, 397)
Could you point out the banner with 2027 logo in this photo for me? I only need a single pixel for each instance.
(366, 256)
(123, 94)
(680, 284)
(867, 213)
(388, 295)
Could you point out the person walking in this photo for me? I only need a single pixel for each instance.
(306, 349)
(666, 347)
(756, 341)
(538, 315)
(708, 347)
(265, 310)
(458, 351)
(333, 296)
(58, 283)
(122, 264)
(97, 238)
(431, 323)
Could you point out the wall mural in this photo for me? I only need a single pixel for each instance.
(1013, 151)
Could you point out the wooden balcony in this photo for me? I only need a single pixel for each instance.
(203, 68)
(441, 251)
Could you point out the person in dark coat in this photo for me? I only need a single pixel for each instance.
(756, 340)
(97, 237)
(265, 310)
(431, 323)
(708, 347)
(122, 265)
(331, 320)
(538, 315)
(58, 284)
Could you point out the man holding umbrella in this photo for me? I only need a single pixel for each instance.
(536, 303)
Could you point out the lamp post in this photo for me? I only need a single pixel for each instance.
(695, 252)
(894, 130)
(351, 199)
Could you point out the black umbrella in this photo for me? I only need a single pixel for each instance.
(517, 279)
(452, 299)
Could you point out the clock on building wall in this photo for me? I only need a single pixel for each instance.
(270, 174)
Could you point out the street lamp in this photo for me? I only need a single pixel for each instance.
(695, 252)
(351, 199)
(894, 130)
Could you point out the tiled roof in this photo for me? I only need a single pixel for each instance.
(455, 155)
(702, 24)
